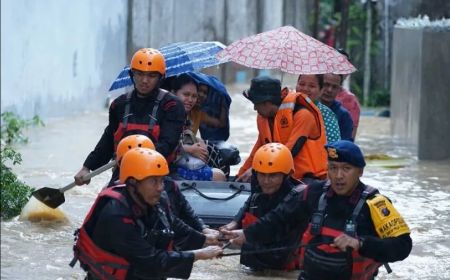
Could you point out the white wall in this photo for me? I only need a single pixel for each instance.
(59, 57)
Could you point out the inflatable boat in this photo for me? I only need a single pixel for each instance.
(215, 202)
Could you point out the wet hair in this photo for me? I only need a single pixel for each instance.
(319, 79)
(182, 80)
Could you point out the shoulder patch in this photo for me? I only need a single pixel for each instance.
(386, 219)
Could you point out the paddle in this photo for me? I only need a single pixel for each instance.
(55, 197)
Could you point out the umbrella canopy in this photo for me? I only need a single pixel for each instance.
(180, 58)
(288, 50)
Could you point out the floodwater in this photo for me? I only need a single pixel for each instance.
(420, 191)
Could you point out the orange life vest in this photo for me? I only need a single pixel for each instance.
(312, 157)
(362, 268)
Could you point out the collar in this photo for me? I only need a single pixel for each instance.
(353, 198)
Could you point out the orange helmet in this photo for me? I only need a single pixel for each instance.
(272, 158)
(131, 142)
(148, 60)
(140, 163)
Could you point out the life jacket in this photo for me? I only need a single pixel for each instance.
(355, 266)
(99, 262)
(135, 126)
(311, 159)
(250, 218)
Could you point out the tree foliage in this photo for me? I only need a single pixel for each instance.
(14, 193)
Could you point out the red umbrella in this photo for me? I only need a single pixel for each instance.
(288, 50)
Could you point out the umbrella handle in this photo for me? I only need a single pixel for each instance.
(90, 175)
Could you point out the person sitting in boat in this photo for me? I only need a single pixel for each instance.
(272, 167)
(351, 229)
(213, 107)
(312, 85)
(289, 118)
(179, 206)
(147, 110)
(129, 231)
(193, 154)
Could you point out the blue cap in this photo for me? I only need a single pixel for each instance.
(345, 151)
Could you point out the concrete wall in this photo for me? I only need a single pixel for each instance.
(156, 23)
(420, 85)
(60, 56)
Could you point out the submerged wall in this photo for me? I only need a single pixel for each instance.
(420, 99)
(60, 57)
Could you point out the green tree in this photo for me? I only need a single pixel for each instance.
(14, 193)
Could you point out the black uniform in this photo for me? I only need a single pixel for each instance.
(178, 204)
(180, 207)
(259, 204)
(170, 117)
(142, 238)
(298, 208)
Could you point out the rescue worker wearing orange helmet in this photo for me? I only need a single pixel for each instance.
(179, 206)
(129, 231)
(292, 119)
(272, 167)
(351, 228)
(146, 110)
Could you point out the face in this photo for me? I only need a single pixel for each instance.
(270, 183)
(202, 94)
(150, 189)
(344, 177)
(309, 85)
(145, 82)
(188, 95)
(266, 109)
(331, 87)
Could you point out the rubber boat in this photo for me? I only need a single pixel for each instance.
(215, 202)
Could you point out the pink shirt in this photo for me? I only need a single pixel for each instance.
(350, 102)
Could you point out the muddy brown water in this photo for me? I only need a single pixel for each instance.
(29, 250)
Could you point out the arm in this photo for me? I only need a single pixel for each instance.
(248, 163)
(184, 210)
(171, 126)
(291, 213)
(386, 250)
(144, 258)
(104, 149)
(346, 126)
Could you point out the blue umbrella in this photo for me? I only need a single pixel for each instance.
(180, 58)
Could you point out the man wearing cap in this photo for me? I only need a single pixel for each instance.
(289, 118)
(351, 228)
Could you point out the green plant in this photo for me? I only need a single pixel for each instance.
(14, 193)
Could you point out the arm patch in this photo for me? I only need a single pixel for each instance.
(385, 218)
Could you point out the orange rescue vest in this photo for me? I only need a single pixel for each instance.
(312, 158)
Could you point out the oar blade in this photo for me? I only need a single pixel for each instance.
(50, 197)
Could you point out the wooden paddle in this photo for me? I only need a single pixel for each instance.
(55, 197)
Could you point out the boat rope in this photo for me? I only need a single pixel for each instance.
(193, 186)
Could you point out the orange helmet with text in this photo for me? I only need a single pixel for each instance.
(140, 163)
(131, 142)
(273, 158)
(148, 60)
